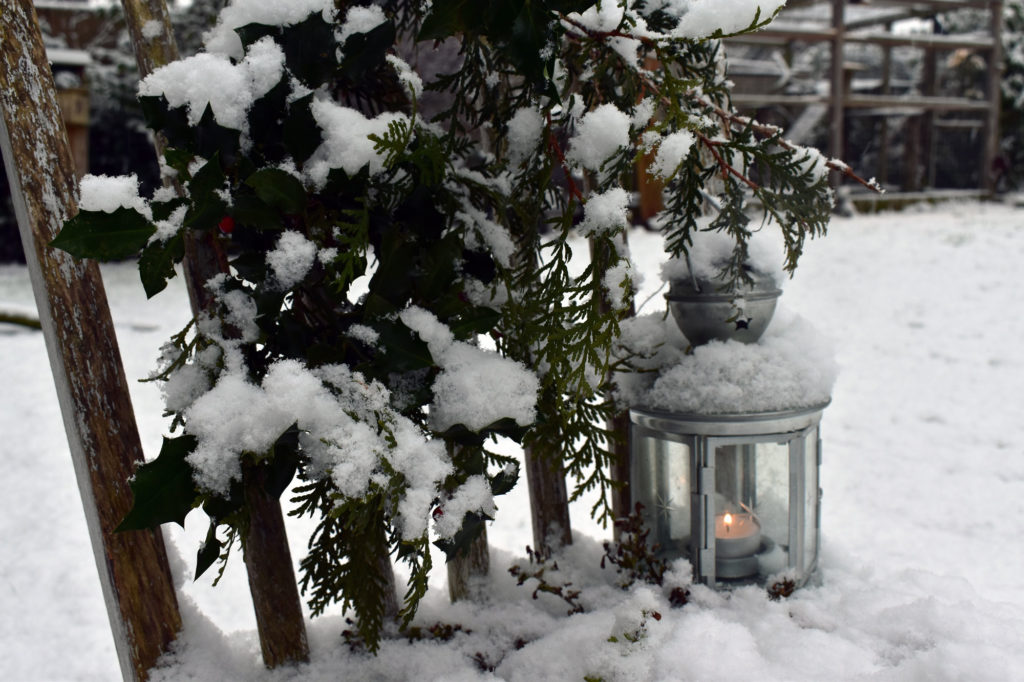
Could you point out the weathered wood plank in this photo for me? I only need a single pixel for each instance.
(91, 385)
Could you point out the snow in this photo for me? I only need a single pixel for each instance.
(291, 258)
(476, 387)
(524, 134)
(711, 251)
(108, 193)
(605, 212)
(361, 20)
(790, 367)
(223, 40)
(702, 18)
(672, 150)
(601, 133)
(923, 481)
(212, 79)
(347, 144)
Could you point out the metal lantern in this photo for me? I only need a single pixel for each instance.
(737, 494)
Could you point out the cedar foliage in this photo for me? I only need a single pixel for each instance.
(454, 217)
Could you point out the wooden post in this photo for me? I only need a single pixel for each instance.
(549, 499)
(268, 561)
(838, 92)
(137, 584)
(994, 92)
(476, 563)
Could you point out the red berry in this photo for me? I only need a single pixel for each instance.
(226, 224)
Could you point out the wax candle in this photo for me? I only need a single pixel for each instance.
(736, 535)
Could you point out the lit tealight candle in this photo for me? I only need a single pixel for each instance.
(736, 535)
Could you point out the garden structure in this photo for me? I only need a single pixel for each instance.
(364, 398)
(918, 107)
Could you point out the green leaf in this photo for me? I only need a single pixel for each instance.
(309, 50)
(302, 135)
(364, 52)
(472, 526)
(504, 481)
(250, 211)
(163, 489)
(207, 179)
(156, 263)
(476, 320)
(208, 551)
(278, 188)
(105, 236)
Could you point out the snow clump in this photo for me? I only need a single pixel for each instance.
(223, 40)
(790, 367)
(600, 134)
(606, 212)
(291, 259)
(108, 193)
(212, 79)
(346, 143)
(674, 148)
(475, 387)
(524, 134)
(703, 18)
(361, 20)
(711, 251)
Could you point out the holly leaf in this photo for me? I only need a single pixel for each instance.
(278, 188)
(105, 236)
(505, 480)
(208, 551)
(163, 489)
(156, 264)
(472, 526)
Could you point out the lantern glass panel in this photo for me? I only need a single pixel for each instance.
(662, 482)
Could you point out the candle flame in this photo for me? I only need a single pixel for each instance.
(728, 519)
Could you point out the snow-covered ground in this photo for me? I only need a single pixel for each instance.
(922, 567)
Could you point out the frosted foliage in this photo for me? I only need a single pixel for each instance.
(472, 496)
(360, 332)
(711, 251)
(618, 281)
(235, 416)
(361, 20)
(524, 133)
(702, 18)
(223, 40)
(108, 193)
(790, 367)
(291, 259)
(211, 79)
(337, 412)
(347, 144)
(813, 162)
(409, 78)
(674, 148)
(475, 387)
(241, 314)
(606, 212)
(496, 237)
(184, 386)
(600, 134)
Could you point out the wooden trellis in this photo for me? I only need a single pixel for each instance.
(841, 28)
(104, 442)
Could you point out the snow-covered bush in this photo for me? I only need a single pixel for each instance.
(367, 248)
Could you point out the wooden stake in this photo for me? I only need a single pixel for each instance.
(84, 357)
(275, 594)
(549, 500)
